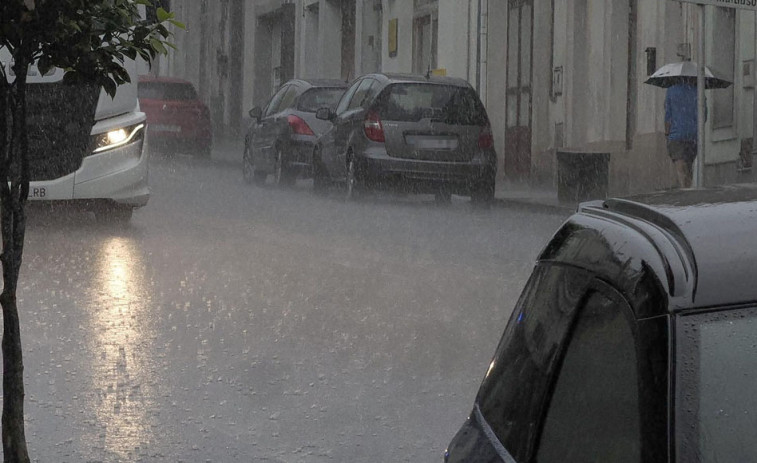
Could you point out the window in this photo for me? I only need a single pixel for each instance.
(449, 104)
(317, 98)
(723, 64)
(717, 391)
(288, 99)
(513, 394)
(342, 106)
(273, 105)
(362, 95)
(594, 410)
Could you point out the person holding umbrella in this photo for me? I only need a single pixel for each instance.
(680, 80)
(681, 128)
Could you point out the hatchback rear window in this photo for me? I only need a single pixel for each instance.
(317, 98)
(166, 91)
(412, 102)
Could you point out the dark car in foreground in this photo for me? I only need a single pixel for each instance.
(176, 118)
(413, 133)
(635, 339)
(281, 137)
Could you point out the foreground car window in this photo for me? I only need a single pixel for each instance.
(717, 390)
(514, 391)
(449, 104)
(166, 91)
(594, 410)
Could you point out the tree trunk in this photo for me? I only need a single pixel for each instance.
(14, 189)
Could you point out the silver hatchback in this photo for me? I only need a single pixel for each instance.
(412, 133)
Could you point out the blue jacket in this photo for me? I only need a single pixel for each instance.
(681, 112)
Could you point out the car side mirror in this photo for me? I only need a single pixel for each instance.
(324, 114)
(256, 113)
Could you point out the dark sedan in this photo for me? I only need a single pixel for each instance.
(414, 133)
(635, 339)
(281, 137)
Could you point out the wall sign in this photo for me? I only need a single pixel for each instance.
(393, 24)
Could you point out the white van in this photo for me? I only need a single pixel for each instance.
(106, 170)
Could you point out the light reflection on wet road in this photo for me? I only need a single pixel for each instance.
(122, 334)
(230, 323)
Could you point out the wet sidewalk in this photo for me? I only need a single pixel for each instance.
(525, 195)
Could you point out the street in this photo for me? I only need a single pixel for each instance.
(233, 323)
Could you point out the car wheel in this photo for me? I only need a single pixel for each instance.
(251, 174)
(282, 173)
(354, 183)
(483, 191)
(320, 177)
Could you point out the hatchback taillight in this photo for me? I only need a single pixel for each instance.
(485, 138)
(299, 126)
(374, 130)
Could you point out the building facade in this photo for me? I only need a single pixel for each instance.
(554, 75)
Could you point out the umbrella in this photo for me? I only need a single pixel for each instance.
(685, 71)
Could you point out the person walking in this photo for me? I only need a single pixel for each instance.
(681, 128)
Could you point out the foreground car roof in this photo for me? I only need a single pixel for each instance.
(701, 245)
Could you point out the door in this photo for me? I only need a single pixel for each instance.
(519, 90)
(264, 133)
(347, 122)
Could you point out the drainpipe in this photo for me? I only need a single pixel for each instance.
(478, 48)
(482, 47)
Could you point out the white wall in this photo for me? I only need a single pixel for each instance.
(453, 53)
(403, 11)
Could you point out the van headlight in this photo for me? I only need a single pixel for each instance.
(116, 137)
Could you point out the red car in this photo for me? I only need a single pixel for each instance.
(176, 118)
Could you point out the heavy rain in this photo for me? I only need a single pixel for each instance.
(295, 231)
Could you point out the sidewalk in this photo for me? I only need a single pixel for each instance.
(525, 195)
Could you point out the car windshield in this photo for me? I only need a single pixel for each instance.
(166, 91)
(412, 102)
(316, 98)
(717, 389)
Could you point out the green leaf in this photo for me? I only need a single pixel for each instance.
(163, 15)
(157, 45)
(178, 24)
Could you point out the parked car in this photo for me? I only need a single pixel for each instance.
(635, 339)
(176, 118)
(281, 137)
(419, 134)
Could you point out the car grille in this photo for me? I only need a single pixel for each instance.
(59, 122)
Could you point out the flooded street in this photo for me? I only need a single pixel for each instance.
(229, 322)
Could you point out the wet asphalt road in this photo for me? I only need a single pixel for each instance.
(231, 323)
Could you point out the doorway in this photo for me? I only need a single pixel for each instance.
(519, 90)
